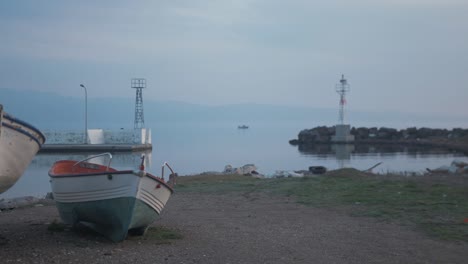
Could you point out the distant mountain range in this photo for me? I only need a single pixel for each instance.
(53, 111)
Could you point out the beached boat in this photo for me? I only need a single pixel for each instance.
(111, 202)
(19, 143)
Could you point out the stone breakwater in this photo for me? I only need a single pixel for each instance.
(456, 138)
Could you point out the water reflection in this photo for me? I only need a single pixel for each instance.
(344, 154)
(391, 149)
(35, 180)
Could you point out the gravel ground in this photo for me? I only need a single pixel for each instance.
(229, 228)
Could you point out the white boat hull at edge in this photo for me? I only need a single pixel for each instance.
(19, 143)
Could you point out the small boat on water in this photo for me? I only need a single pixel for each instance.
(19, 143)
(112, 202)
(242, 127)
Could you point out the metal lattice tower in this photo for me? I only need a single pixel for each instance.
(139, 84)
(342, 88)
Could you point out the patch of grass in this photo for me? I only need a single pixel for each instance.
(437, 208)
(159, 234)
(56, 226)
(215, 183)
(446, 231)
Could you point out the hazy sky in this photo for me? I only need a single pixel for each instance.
(398, 55)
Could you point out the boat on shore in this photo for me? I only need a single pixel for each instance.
(112, 202)
(19, 143)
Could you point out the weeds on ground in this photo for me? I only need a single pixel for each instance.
(56, 226)
(438, 209)
(215, 183)
(159, 234)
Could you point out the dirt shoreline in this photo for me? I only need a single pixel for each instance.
(228, 228)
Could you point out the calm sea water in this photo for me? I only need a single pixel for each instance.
(192, 148)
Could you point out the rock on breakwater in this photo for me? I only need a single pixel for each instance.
(456, 138)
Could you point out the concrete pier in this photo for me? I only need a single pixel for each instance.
(98, 140)
(54, 148)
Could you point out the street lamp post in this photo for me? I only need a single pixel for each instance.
(86, 114)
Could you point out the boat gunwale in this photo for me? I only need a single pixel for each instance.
(25, 124)
(64, 175)
(149, 175)
(101, 173)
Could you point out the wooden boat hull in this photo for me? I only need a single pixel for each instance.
(19, 143)
(113, 203)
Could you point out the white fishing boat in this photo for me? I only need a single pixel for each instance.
(19, 143)
(112, 202)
